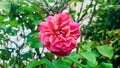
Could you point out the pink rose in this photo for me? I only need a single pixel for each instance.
(59, 34)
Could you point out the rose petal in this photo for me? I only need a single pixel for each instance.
(59, 34)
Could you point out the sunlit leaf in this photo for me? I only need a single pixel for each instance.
(73, 57)
(1, 36)
(60, 64)
(105, 65)
(36, 43)
(106, 50)
(33, 64)
(90, 57)
(5, 5)
(48, 63)
(51, 0)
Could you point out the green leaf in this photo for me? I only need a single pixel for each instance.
(4, 5)
(48, 63)
(11, 31)
(105, 65)
(36, 22)
(99, 1)
(90, 57)
(68, 61)
(75, 4)
(60, 64)
(73, 57)
(106, 51)
(118, 42)
(13, 23)
(96, 53)
(34, 64)
(33, 39)
(90, 64)
(109, 33)
(1, 36)
(81, 0)
(1, 20)
(51, 0)
(86, 47)
(36, 43)
(72, 12)
(27, 55)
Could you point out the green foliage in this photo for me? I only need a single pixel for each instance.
(33, 64)
(60, 64)
(73, 57)
(51, 0)
(4, 5)
(106, 51)
(90, 57)
(48, 63)
(33, 40)
(105, 65)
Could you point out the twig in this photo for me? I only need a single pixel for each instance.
(10, 39)
(53, 8)
(80, 10)
(46, 3)
(63, 6)
(86, 11)
(114, 41)
(93, 13)
(42, 50)
(40, 6)
(2, 66)
(13, 42)
(23, 36)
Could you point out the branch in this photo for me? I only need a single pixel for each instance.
(46, 3)
(2, 66)
(14, 43)
(93, 13)
(40, 6)
(80, 10)
(86, 11)
(52, 7)
(23, 36)
(65, 4)
(9, 39)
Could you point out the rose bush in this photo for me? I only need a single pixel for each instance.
(59, 34)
